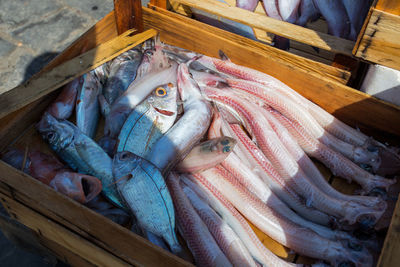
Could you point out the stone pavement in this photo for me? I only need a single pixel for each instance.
(32, 32)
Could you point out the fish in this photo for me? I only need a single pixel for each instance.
(108, 145)
(80, 152)
(207, 154)
(144, 191)
(147, 123)
(63, 106)
(356, 11)
(100, 205)
(249, 5)
(87, 105)
(122, 73)
(201, 243)
(308, 12)
(335, 15)
(223, 234)
(80, 187)
(188, 130)
(44, 167)
(289, 234)
(134, 95)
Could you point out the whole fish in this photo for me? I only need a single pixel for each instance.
(199, 239)
(64, 104)
(87, 104)
(80, 152)
(122, 73)
(144, 191)
(207, 154)
(336, 16)
(189, 129)
(149, 121)
(79, 187)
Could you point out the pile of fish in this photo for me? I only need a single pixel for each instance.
(201, 146)
(344, 17)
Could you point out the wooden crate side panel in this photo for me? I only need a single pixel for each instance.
(128, 15)
(51, 80)
(110, 236)
(380, 42)
(390, 6)
(282, 57)
(353, 106)
(390, 254)
(59, 234)
(284, 29)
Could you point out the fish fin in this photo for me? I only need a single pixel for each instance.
(151, 132)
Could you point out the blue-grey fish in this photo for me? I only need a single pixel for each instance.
(149, 121)
(122, 73)
(155, 70)
(143, 189)
(335, 15)
(87, 104)
(80, 152)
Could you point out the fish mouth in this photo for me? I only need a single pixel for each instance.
(164, 112)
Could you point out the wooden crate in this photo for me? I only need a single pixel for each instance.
(379, 40)
(80, 236)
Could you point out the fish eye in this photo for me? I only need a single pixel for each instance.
(224, 142)
(161, 91)
(226, 149)
(124, 156)
(50, 135)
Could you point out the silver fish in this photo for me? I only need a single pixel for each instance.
(189, 129)
(154, 70)
(207, 154)
(80, 152)
(149, 121)
(144, 190)
(122, 73)
(87, 104)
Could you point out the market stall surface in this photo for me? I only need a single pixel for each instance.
(32, 32)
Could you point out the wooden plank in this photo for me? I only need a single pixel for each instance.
(279, 56)
(380, 42)
(159, 3)
(390, 6)
(49, 81)
(390, 255)
(64, 254)
(284, 29)
(60, 235)
(128, 15)
(110, 236)
(352, 106)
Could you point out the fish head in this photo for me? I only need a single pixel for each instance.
(204, 78)
(222, 145)
(59, 134)
(164, 100)
(123, 164)
(187, 86)
(154, 59)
